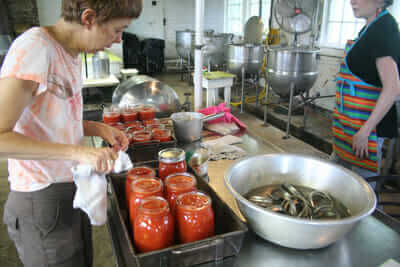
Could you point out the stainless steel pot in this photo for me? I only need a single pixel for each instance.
(214, 50)
(188, 125)
(185, 42)
(249, 56)
(101, 65)
(291, 66)
(292, 232)
(142, 89)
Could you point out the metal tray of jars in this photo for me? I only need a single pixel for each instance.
(226, 241)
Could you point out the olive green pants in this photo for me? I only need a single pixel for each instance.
(47, 230)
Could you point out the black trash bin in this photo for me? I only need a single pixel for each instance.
(153, 54)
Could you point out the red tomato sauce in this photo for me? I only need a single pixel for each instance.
(154, 226)
(177, 184)
(195, 217)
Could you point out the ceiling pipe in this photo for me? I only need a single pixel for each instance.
(198, 55)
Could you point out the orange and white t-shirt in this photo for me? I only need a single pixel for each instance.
(55, 113)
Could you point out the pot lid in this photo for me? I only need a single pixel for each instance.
(253, 30)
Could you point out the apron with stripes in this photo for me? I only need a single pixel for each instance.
(355, 101)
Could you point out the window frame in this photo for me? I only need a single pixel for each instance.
(245, 14)
(323, 42)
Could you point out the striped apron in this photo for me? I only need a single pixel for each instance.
(355, 101)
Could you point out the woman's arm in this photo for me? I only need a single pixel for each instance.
(389, 75)
(15, 95)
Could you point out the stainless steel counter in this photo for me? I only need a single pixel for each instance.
(375, 240)
(372, 242)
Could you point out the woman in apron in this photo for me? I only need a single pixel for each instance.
(367, 88)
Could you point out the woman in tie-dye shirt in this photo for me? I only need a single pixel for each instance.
(41, 129)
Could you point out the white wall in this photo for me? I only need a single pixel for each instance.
(214, 15)
(49, 11)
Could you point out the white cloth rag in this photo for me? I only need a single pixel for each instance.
(91, 192)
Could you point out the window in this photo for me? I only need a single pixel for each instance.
(237, 12)
(340, 25)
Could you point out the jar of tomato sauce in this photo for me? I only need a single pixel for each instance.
(162, 135)
(111, 115)
(194, 216)
(171, 160)
(141, 136)
(176, 184)
(129, 114)
(141, 189)
(134, 174)
(154, 225)
(147, 112)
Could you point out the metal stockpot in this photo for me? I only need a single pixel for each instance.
(214, 49)
(188, 125)
(101, 65)
(142, 89)
(249, 56)
(284, 230)
(185, 42)
(291, 66)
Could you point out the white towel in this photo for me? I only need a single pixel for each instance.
(91, 192)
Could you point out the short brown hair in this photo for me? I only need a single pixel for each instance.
(106, 10)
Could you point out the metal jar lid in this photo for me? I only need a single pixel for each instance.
(171, 155)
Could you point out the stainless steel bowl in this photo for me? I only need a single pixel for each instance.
(292, 232)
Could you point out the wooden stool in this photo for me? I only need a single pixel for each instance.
(212, 81)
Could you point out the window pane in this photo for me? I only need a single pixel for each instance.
(336, 10)
(348, 15)
(333, 36)
(348, 32)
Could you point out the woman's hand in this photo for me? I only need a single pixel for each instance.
(102, 159)
(111, 135)
(360, 143)
(116, 138)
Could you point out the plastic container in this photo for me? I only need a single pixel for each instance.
(177, 184)
(194, 216)
(162, 135)
(151, 122)
(147, 112)
(129, 114)
(171, 160)
(154, 225)
(111, 115)
(141, 136)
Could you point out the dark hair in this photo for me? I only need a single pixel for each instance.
(387, 3)
(106, 10)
